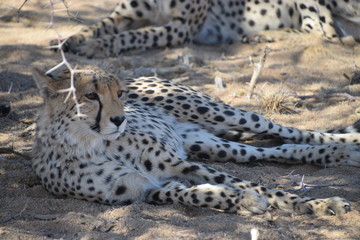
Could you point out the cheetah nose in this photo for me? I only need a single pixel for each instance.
(117, 120)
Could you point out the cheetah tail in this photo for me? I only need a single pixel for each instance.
(354, 128)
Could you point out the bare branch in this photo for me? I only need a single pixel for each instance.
(257, 70)
(19, 10)
(7, 219)
(71, 90)
(324, 96)
(303, 187)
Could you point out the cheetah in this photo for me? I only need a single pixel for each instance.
(140, 139)
(145, 24)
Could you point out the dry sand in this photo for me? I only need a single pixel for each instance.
(304, 66)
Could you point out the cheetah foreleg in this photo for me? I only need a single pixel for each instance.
(220, 197)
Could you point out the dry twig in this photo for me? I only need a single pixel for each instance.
(325, 96)
(71, 90)
(303, 187)
(73, 70)
(19, 10)
(9, 218)
(10, 150)
(257, 70)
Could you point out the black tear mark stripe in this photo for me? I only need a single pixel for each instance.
(96, 127)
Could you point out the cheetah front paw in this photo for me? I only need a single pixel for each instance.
(325, 207)
(263, 37)
(91, 48)
(70, 44)
(250, 202)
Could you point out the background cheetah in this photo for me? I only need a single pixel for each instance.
(175, 22)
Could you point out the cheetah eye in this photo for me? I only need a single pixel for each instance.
(92, 96)
(121, 94)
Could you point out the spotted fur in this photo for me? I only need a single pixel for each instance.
(136, 135)
(144, 24)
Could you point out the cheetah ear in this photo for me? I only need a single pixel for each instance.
(45, 84)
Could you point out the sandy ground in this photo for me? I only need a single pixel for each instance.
(303, 66)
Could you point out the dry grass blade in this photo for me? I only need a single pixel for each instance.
(275, 102)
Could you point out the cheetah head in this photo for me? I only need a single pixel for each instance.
(101, 97)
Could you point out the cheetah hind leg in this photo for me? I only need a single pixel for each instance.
(200, 144)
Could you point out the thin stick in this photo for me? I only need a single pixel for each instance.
(11, 150)
(7, 219)
(257, 70)
(305, 188)
(19, 9)
(323, 96)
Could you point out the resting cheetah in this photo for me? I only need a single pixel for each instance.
(144, 24)
(135, 136)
